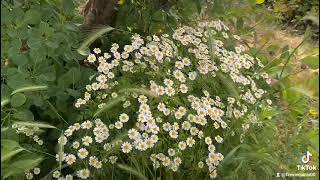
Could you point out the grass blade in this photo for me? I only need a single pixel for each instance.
(109, 105)
(129, 169)
(35, 124)
(92, 37)
(56, 112)
(10, 154)
(228, 84)
(139, 91)
(5, 101)
(29, 89)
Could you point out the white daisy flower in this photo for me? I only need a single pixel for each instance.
(82, 153)
(83, 173)
(126, 147)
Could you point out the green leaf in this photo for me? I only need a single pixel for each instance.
(32, 16)
(311, 61)
(259, 1)
(34, 124)
(18, 99)
(34, 41)
(30, 89)
(17, 79)
(19, 59)
(91, 38)
(24, 115)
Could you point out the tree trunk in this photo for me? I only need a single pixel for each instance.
(100, 12)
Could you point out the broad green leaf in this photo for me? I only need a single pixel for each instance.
(35, 124)
(32, 16)
(17, 80)
(29, 89)
(19, 59)
(34, 42)
(24, 115)
(18, 99)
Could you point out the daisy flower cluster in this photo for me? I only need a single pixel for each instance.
(182, 108)
(30, 174)
(31, 132)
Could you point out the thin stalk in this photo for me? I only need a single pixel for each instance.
(289, 57)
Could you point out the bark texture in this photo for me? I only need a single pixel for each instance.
(100, 12)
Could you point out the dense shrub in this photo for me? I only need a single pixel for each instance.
(185, 99)
(40, 76)
(297, 13)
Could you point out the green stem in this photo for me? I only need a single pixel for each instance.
(288, 59)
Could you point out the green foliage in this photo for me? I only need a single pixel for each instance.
(300, 14)
(40, 76)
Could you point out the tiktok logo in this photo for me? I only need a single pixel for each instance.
(306, 158)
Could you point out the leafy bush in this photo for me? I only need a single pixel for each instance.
(43, 77)
(40, 75)
(166, 98)
(299, 14)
